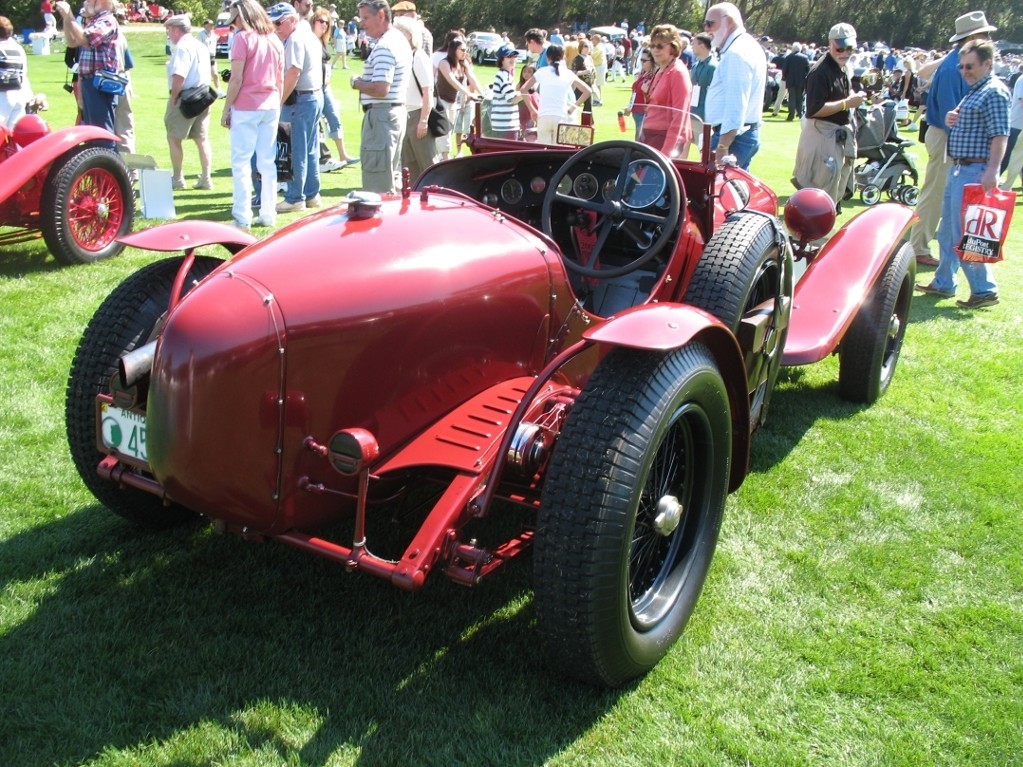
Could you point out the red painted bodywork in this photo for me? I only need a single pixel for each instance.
(433, 329)
(25, 169)
(839, 279)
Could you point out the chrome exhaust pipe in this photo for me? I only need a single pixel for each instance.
(136, 364)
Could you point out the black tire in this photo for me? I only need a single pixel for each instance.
(870, 194)
(743, 267)
(124, 321)
(88, 203)
(612, 592)
(870, 349)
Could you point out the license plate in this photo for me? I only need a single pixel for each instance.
(123, 431)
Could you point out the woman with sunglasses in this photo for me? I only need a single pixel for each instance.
(322, 25)
(827, 144)
(637, 102)
(458, 90)
(668, 94)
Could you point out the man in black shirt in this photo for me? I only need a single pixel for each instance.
(827, 145)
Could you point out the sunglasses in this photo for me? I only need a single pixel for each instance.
(966, 67)
(847, 49)
(709, 23)
(647, 61)
(658, 46)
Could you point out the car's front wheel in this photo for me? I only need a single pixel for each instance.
(87, 204)
(871, 346)
(630, 512)
(124, 321)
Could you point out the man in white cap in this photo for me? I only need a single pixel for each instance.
(188, 68)
(947, 88)
(827, 146)
(303, 104)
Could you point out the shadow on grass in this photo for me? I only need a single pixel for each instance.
(27, 257)
(149, 638)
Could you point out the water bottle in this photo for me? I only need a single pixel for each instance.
(621, 121)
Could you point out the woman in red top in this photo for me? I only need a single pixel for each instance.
(637, 104)
(668, 95)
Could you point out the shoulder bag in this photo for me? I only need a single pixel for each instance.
(194, 101)
(437, 123)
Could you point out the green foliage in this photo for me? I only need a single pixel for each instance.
(23, 14)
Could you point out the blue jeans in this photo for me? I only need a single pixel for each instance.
(97, 107)
(743, 146)
(304, 116)
(950, 234)
(332, 112)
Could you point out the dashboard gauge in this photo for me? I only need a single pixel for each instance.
(608, 189)
(537, 185)
(586, 186)
(644, 185)
(511, 191)
(565, 187)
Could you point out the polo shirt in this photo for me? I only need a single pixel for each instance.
(946, 89)
(827, 81)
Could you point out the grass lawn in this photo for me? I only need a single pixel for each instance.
(864, 607)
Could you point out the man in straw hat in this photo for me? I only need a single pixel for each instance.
(947, 88)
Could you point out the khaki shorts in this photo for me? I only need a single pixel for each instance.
(180, 127)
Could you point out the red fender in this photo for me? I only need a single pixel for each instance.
(186, 235)
(840, 279)
(663, 327)
(28, 161)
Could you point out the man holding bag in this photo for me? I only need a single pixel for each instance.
(187, 69)
(978, 131)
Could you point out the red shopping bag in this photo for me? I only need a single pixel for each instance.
(985, 223)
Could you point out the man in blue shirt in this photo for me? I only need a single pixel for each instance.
(978, 133)
(946, 89)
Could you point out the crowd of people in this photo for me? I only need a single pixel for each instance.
(281, 60)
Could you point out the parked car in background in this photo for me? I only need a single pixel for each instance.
(222, 29)
(482, 47)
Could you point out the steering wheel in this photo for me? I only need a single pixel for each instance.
(614, 213)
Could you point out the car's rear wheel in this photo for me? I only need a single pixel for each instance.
(630, 512)
(870, 349)
(124, 321)
(745, 273)
(87, 204)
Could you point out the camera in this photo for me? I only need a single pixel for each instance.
(69, 87)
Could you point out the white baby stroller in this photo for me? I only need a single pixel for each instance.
(885, 166)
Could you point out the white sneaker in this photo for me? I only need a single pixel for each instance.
(270, 221)
(329, 165)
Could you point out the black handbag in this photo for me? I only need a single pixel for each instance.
(194, 101)
(437, 123)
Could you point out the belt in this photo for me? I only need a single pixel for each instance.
(311, 90)
(969, 160)
(717, 128)
(388, 104)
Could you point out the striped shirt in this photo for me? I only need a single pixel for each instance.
(504, 115)
(390, 62)
(983, 114)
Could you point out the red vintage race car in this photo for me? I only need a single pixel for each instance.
(534, 348)
(67, 185)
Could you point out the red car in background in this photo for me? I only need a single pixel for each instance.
(539, 348)
(68, 187)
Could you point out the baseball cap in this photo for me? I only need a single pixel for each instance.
(403, 7)
(506, 51)
(843, 34)
(281, 11)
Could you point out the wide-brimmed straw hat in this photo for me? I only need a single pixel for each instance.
(972, 23)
